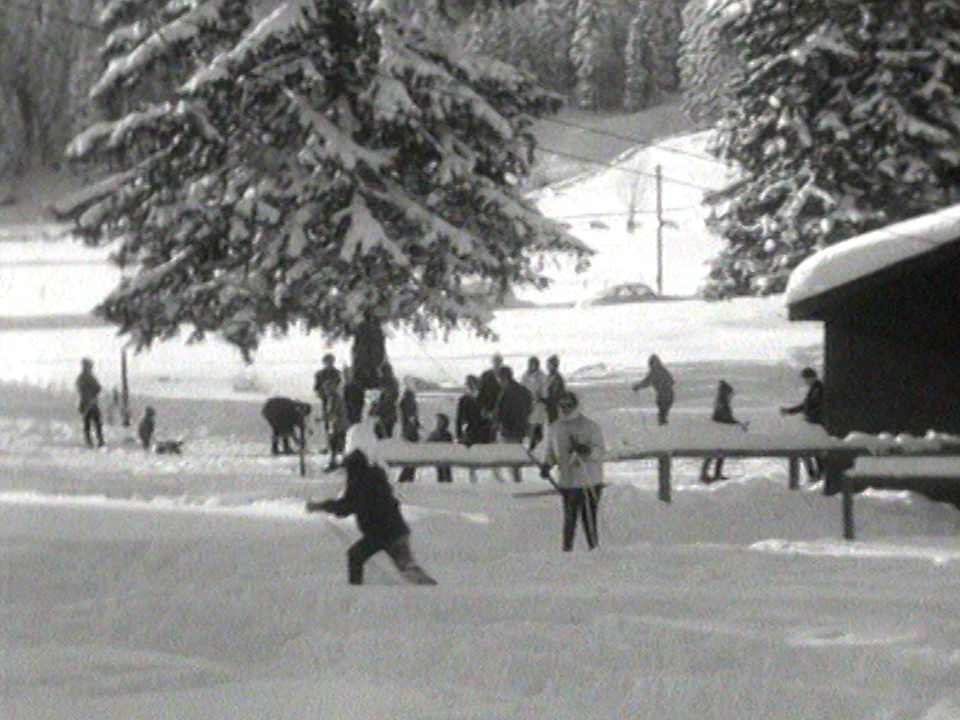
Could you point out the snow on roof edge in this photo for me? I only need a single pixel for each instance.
(871, 252)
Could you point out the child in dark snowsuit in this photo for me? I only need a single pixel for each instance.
(441, 433)
(368, 495)
(722, 413)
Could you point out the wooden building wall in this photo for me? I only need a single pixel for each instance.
(892, 353)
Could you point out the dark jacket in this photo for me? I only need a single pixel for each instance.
(353, 399)
(409, 417)
(386, 407)
(369, 496)
(472, 425)
(490, 388)
(513, 409)
(812, 405)
(661, 380)
(442, 436)
(88, 388)
(555, 388)
(326, 381)
(723, 410)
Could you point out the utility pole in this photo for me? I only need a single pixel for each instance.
(660, 224)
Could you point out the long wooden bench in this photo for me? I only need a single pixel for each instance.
(916, 472)
(399, 454)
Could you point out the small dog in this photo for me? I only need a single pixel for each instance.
(169, 447)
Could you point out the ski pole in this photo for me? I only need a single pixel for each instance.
(542, 465)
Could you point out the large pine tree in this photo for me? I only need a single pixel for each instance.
(707, 65)
(323, 167)
(848, 118)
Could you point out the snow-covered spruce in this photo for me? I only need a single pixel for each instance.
(846, 119)
(320, 167)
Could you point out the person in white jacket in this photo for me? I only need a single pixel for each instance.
(535, 381)
(576, 447)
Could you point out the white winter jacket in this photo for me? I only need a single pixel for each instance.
(536, 383)
(575, 470)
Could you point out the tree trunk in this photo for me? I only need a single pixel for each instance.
(13, 157)
(369, 352)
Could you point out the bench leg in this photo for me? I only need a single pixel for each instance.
(849, 529)
(794, 472)
(663, 476)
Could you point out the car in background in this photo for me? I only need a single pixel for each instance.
(621, 294)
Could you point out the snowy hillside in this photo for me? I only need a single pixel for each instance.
(597, 206)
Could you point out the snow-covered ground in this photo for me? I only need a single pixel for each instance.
(136, 585)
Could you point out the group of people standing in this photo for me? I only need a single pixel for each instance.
(539, 409)
(499, 407)
(536, 410)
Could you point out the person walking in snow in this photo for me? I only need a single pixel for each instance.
(512, 412)
(369, 496)
(811, 407)
(441, 434)
(88, 388)
(660, 379)
(722, 413)
(535, 381)
(575, 445)
(556, 387)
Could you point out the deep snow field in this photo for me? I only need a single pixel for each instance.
(195, 587)
(135, 585)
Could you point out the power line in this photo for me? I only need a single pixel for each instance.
(613, 166)
(637, 142)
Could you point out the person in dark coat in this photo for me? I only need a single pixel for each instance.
(353, 397)
(385, 409)
(441, 434)
(490, 385)
(88, 388)
(513, 412)
(662, 382)
(409, 426)
(147, 427)
(473, 425)
(722, 413)
(556, 387)
(368, 495)
(811, 407)
(287, 420)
